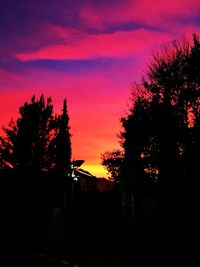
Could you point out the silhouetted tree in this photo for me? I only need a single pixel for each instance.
(161, 133)
(61, 148)
(112, 161)
(63, 142)
(25, 142)
(167, 115)
(35, 154)
(38, 140)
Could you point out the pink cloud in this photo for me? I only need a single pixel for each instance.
(166, 14)
(116, 45)
(50, 31)
(162, 14)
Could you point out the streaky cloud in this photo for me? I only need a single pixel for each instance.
(116, 45)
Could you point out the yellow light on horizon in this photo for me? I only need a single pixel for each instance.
(96, 170)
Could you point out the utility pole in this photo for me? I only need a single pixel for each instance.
(69, 204)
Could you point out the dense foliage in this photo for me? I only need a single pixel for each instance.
(38, 140)
(161, 133)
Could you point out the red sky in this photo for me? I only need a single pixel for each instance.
(89, 52)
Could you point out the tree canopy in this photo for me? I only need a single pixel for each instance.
(38, 140)
(112, 161)
(161, 132)
(160, 136)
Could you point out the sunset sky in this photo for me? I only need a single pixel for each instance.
(88, 51)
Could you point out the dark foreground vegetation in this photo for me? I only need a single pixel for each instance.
(158, 167)
(146, 215)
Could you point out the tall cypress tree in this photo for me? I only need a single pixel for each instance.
(63, 142)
